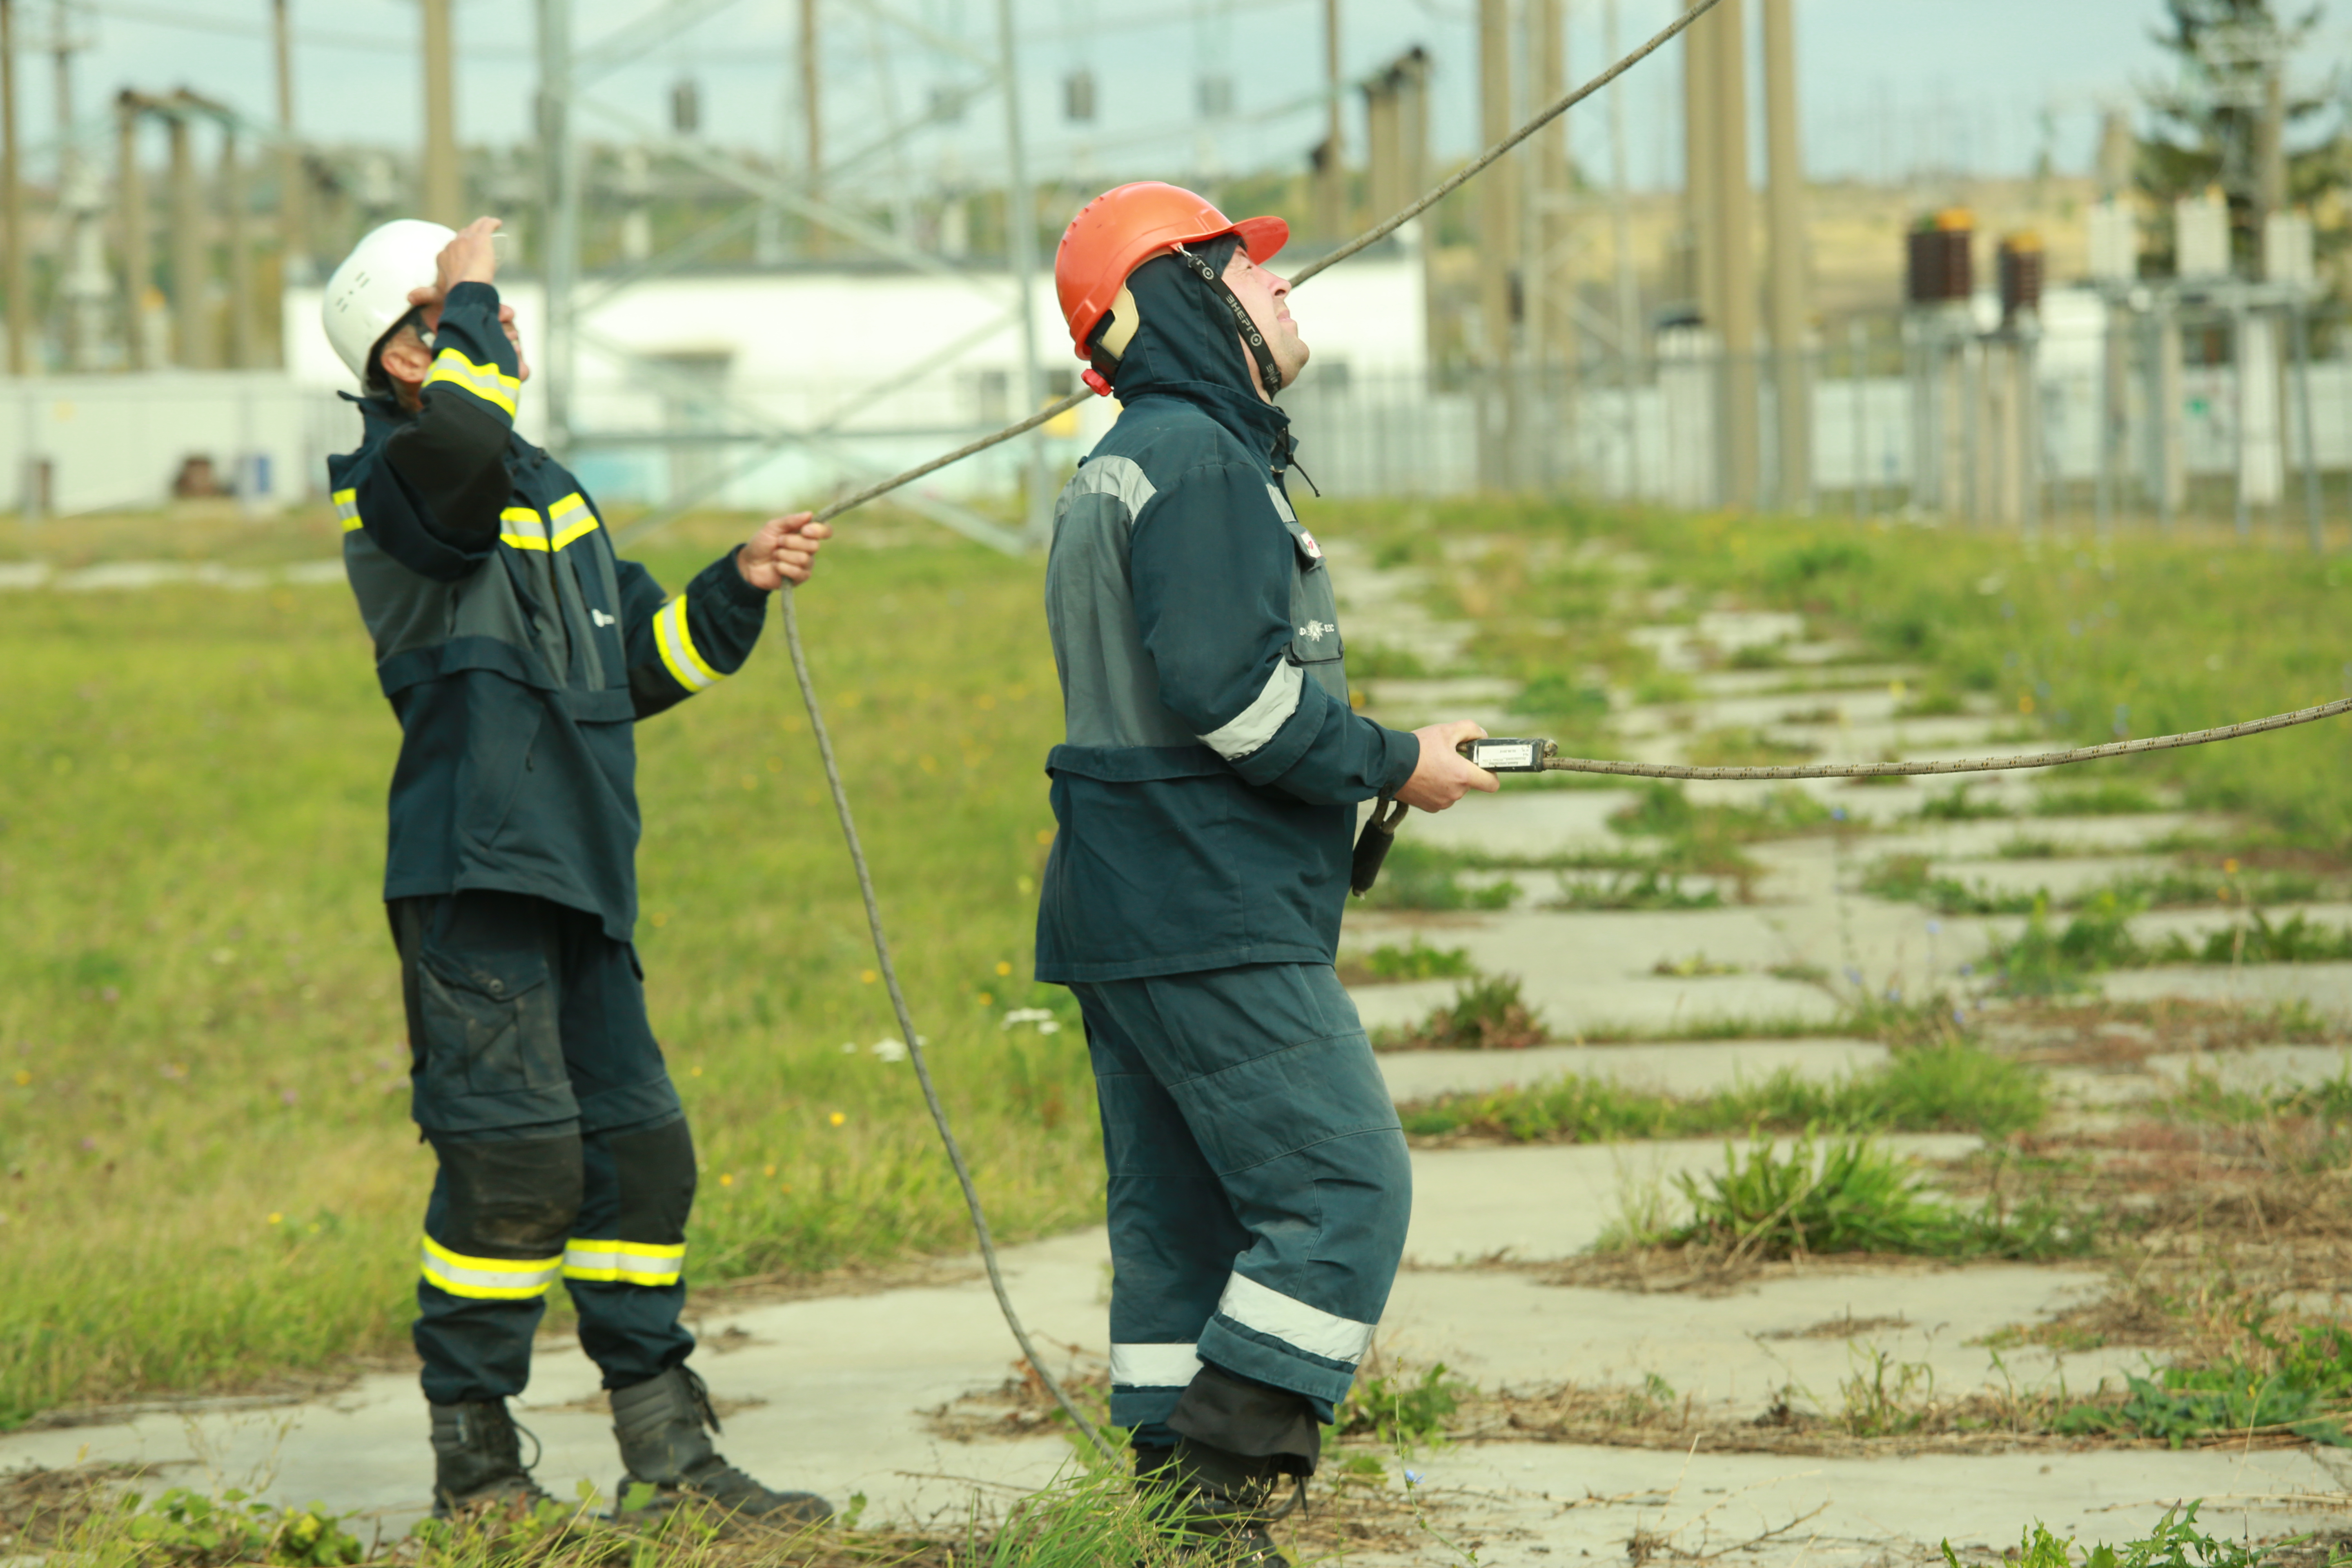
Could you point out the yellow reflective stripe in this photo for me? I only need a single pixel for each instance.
(625, 1262)
(572, 519)
(523, 529)
(487, 1279)
(347, 507)
(683, 661)
(487, 381)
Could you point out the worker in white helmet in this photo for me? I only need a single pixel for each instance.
(518, 651)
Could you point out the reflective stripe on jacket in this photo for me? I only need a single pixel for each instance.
(516, 648)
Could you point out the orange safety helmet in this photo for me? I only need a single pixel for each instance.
(1119, 230)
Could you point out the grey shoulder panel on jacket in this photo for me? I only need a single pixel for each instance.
(1110, 690)
(1111, 475)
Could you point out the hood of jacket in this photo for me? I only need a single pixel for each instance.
(1185, 346)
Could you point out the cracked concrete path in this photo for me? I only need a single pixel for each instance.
(831, 1391)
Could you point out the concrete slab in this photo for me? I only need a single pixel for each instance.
(2326, 988)
(1536, 1202)
(1528, 822)
(1856, 678)
(1680, 1068)
(1519, 1503)
(2062, 879)
(2257, 1069)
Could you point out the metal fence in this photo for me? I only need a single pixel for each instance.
(2127, 418)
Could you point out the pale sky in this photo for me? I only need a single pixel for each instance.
(1889, 85)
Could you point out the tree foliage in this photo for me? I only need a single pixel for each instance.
(2204, 125)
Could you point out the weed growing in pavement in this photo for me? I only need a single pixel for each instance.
(1417, 960)
(1884, 1397)
(1949, 1087)
(1402, 1412)
(1485, 1015)
(1908, 879)
(1420, 877)
(1697, 967)
(1083, 1519)
(2113, 798)
(2175, 1542)
(1958, 804)
(1747, 748)
(186, 1526)
(1649, 889)
(2045, 960)
(1851, 1195)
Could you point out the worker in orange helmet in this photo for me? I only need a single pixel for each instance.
(1206, 793)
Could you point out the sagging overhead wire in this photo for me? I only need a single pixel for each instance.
(1371, 236)
(1960, 765)
(841, 797)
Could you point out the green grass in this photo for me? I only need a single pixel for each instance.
(2175, 1542)
(1419, 876)
(2151, 635)
(1417, 960)
(2298, 1380)
(210, 1175)
(1949, 1087)
(1847, 1194)
(2049, 960)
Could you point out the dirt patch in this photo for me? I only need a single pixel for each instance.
(1844, 1327)
(273, 1393)
(39, 1507)
(2120, 1035)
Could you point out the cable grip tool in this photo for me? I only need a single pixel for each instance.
(1497, 754)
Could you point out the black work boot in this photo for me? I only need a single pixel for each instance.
(661, 1424)
(1220, 1504)
(478, 1458)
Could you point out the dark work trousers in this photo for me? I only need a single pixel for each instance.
(1259, 1186)
(562, 1148)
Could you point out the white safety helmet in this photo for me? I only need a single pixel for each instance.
(369, 292)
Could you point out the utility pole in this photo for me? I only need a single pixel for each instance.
(444, 191)
(1629, 336)
(193, 350)
(813, 132)
(1734, 222)
(1550, 282)
(1331, 167)
(138, 263)
(1498, 240)
(293, 240)
(1785, 186)
(1699, 152)
(2270, 138)
(240, 251)
(562, 224)
(12, 203)
(1021, 247)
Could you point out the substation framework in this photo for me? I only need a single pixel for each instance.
(569, 73)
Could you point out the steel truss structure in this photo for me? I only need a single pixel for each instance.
(568, 75)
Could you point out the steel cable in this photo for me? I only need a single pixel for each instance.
(907, 1032)
(1960, 765)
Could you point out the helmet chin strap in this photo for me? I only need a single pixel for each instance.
(1269, 374)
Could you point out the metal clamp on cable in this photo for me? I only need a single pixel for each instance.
(1372, 844)
(1509, 754)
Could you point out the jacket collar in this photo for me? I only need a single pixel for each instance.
(1185, 347)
